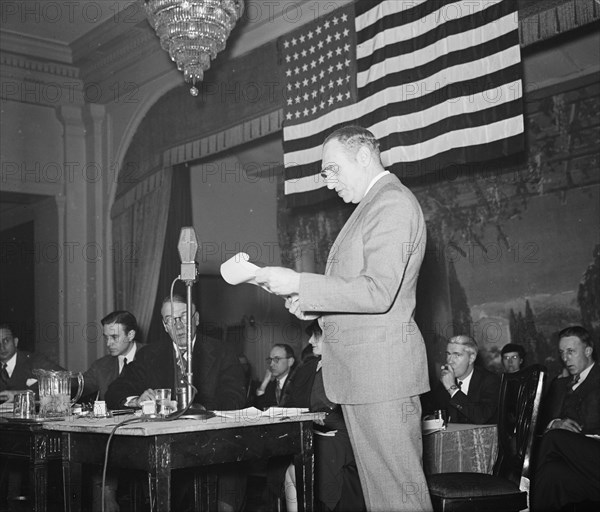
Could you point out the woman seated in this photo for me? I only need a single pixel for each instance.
(337, 487)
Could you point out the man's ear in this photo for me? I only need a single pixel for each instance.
(16, 341)
(588, 350)
(196, 318)
(131, 335)
(472, 358)
(363, 156)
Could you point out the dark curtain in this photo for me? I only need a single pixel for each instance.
(180, 215)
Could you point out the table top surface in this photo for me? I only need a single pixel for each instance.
(146, 426)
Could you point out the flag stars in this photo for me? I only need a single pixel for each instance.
(305, 82)
(339, 66)
(329, 54)
(344, 17)
(289, 116)
(338, 51)
(320, 44)
(318, 30)
(288, 59)
(340, 97)
(286, 44)
(322, 74)
(297, 85)
(337, 36)
(306, 96)
(297, 99)
(322, 89)
(312, 49)
(321, 59)
(335, 20)
(346, 32)
(347, 95)
(288, 72)
(296, 56)
(331, 84)
(294, 41)
(296, 70)
(328, 39)
(305, 68)
(346, 47)
(322, 105)
(298, 114)
(314, 109)
(330, 100)
(313, 79)
(302, 38)
(330, 69)
(340, 81)
(304, 53)
(310, 34)
(313, 64)
(314, 94)
(305, 112)
(327, 24)
(290, 102)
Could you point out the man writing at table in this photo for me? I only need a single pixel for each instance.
(218, 377)
(568, 462)
(468, 393)
(374, 360)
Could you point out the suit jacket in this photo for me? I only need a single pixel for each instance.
(100, 374)
(480, 406)
(269, 398)
(373, 350)
(581, 404)
(24, 366)
(218, 374)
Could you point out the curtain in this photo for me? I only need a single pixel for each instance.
(180, 215)
(139, 226)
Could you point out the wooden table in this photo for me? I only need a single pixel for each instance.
(28, 441)
(461, 448)
(159, 447)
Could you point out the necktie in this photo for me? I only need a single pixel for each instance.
(4, 375)
(278, 392)
(574, 381)
(124, 363)
(459, 384)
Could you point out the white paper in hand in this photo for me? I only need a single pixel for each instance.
(238, 269)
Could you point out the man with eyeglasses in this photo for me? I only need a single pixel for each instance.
(280, 363)
(513, 356)
(374, 358)
(217, 373)
(218, 378)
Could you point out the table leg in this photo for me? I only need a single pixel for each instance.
(160, 490)
(304, 463)
(72, 485)
(39, 476)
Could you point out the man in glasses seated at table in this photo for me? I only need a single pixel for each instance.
(281, 362)
(218, 377)
(567, 462)
(468, 393)
(512, 356)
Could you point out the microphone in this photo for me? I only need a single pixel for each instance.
(187, 247)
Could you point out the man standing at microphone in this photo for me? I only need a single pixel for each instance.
(374, 360)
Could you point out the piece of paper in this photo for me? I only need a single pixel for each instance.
(252, 413)
(238, 269)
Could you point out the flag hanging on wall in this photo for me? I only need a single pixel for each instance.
(438, 82)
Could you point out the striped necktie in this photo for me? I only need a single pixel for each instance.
(4, 377)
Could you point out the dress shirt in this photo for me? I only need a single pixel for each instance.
(583, 375)
(10, 364)
(463, 385)
(130, 356)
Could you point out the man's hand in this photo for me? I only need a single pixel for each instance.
(566, 424)
(149, 394)
(263, 385)
(292, 303)
(447, 377)
(279, 280)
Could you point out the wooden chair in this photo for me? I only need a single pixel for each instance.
(507, 488)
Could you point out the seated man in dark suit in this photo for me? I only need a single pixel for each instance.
(16, 375)
(16, 366)
(120, 331)
(281, 363)
(218, 376)
(568, 462)
(468, 393)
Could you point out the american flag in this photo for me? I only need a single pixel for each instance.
(438, 82)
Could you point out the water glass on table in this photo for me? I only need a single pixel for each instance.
(163, 402)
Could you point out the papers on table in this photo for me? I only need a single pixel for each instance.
(252, 413)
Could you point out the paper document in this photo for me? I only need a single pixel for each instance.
(252, 413)
(238, 269)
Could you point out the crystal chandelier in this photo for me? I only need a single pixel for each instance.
(193, 31)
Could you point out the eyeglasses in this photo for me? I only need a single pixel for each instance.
(330, 171)
(275, 359)
(173, 320)
(510, 358)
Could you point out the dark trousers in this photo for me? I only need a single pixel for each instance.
(567, 471)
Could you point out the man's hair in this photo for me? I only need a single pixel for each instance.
(513, 347)
(124, 318)
(8, 327)
(289, 351)
(352, 137)
(176, 299)
(580, 332)
(313, 328)
(466, 341)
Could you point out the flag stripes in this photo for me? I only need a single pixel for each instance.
(438, 83)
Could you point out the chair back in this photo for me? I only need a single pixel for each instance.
(518, 411)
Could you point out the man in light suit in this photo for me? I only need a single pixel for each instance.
(120, 331)
(468, 393)
(374, 360)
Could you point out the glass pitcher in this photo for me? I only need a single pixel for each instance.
(55, 391)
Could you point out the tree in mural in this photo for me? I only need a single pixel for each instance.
(588, 295)
(461, 313)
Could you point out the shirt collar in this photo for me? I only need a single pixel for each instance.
(464, 387)
(583, 375)
(130, 355)
(375, 180)
(11, 363)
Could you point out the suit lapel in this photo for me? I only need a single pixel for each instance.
(354, 217)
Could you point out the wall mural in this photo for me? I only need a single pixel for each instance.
(516, 243)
